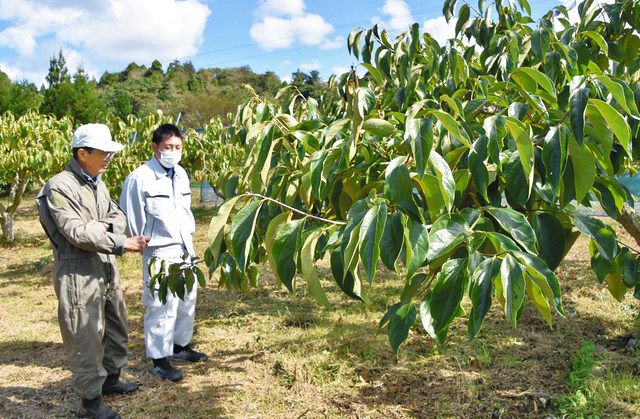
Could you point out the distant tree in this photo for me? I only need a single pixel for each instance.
(86, 103)
(22, 97)
(108, 79)
(79, 98)
(309, 85)
(268, 83)
(58, 71)
(156, 67)
(132, 72)
(5, 89)
(120, 103)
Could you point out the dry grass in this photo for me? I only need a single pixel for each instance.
(277, 355)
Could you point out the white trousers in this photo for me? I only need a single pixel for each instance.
(170, 323)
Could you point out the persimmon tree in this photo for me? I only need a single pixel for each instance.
(459, 166)
(33, 147)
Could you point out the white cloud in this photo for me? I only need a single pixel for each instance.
(337, 42)
(21, 39)
(103, 33)
(439, 29)
(399, 13)
(281, 23)
(313, 65)
(286, 79)
(339, 70)
(280, 8)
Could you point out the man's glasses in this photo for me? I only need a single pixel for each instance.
(108, 156)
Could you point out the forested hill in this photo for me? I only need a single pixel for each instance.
(199, 94)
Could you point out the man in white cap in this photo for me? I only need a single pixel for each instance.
(87, 228)
(157, 200)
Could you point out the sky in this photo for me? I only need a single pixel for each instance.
(268, 35)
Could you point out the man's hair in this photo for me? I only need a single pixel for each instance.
(166, 131)
(87, 149)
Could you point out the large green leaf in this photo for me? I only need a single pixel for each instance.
(308, 269)
(578, 104)
(392, 240)
(284, 252)
(416, 241)
(446, 233)
(419, 134)
(598, 39)
(242, 228)
(539, 78)
(517, 225)
(274, 226)
(398, 187)
(453, 127)
(584, 168)
(217, 225)
(259, 168)
(602, 234)
(517, 185)
(479, 172)
(445, 178)
(551, 238)
(544, 277)
(371, 230)
(398, 319)
(524, 145)
(617, 91)
(480, 293)
(538, 298)
(615, 121)
(378, 127)
(513, 287)
(443, 303)
(347, 280)
(554, 155)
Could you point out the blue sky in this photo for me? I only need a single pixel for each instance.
(276, 35)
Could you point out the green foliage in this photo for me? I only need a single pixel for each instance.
(177, 278)
(459, 166)
(33, 147)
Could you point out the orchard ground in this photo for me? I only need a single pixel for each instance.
(277, 355)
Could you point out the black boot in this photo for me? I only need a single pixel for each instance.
(163, 369)
(97, 409)
(114, 385)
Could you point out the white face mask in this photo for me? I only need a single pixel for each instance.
(170, 158)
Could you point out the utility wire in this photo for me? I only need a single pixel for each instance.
(421, 12)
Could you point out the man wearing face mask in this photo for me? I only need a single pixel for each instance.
(156, 198)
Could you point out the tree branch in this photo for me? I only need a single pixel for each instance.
(630, 222)
(315, 217)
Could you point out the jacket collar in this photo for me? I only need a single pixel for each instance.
(74, 167)
(158, 169)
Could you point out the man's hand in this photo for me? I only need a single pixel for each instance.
(135, 243)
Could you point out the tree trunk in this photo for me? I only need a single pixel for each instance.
(7, 226)
(630, 222)
(15, 197)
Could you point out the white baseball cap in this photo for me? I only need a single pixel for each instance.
(95, 136)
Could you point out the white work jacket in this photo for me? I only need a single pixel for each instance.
(160, 208)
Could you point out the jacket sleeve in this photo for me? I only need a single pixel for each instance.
(115, 217)
(90, 236)
(132, 203)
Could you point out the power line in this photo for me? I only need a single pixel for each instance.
(422, 12)
(341, 26)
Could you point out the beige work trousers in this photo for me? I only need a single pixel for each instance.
(92, 317)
